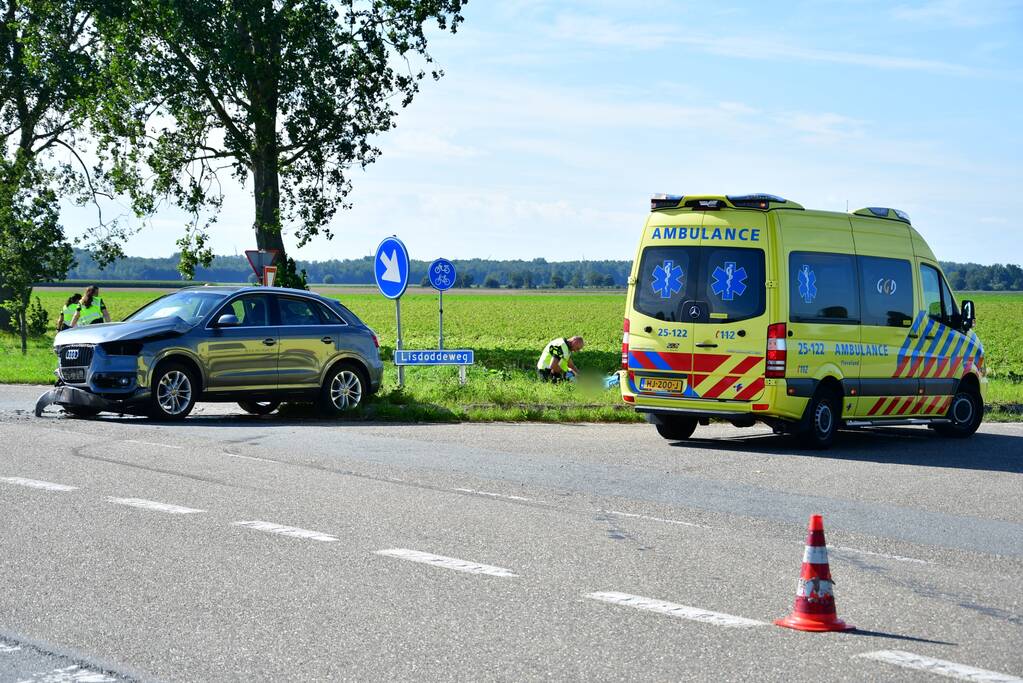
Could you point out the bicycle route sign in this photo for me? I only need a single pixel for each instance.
(442, 274)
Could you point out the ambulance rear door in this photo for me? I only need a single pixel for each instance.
(730, 310)
(661, 329)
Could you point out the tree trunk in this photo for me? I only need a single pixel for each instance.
(267, 195)
(23, 329)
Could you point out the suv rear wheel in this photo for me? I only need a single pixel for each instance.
(173, 393)
(344, 389)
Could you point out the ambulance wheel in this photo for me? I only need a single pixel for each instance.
(966, 413)
(259, 407)
(823, 415)
(173, 392)
(676, 428)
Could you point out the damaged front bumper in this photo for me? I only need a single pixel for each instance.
(65, 395)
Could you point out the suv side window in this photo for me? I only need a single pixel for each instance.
(822, 288)
(328, 316)
(886, 291)
(297, 312)
(251, 310)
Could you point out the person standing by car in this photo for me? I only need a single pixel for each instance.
(91, 309)
(555, 363)
(67, 314)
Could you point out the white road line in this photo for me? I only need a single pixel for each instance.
(5, 648)
(153, 505)
(152, 443)
(70, 674)
(36, 484)
(495, 495)
(940, 667)
(247, 457)
(655, 519)
(282, 530)
(447, 562)
(673, 610)
(900, 558)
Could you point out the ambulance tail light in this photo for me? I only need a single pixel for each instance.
(776, 350)
(625, 344)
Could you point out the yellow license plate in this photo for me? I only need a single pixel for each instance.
(654, 384)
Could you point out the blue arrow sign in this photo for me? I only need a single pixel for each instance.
(442, 274)
(391, 267)
(435, 357)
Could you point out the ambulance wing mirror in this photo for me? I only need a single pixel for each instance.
(969, 315)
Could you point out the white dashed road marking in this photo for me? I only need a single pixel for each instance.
(153, 505)
(447, 562)
(70, 674)
(5, 648)
(294, 532)
(655, 519)
(494, 495)
(899, 558)
(673, 610)
(940, 667)
(36, 484)
(152, 443)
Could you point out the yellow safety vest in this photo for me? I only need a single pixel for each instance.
(69, 313)
(90, 314)
(556, 348)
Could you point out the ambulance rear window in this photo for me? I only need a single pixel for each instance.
(665, 281)
(728, 280)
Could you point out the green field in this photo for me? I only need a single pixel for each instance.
(507, 330)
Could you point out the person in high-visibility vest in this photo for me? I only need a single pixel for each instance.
(91, 309)
(555, 362)
(67, 314)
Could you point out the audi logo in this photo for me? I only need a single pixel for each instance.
(886, 286)
(71, 354)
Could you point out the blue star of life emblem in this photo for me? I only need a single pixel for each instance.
(729, 282)
(807, 284)
(667, 279)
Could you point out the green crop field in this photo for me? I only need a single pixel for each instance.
(507, 331)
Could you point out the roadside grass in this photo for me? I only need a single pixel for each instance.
(507, 333)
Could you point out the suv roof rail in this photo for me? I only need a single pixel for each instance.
(884, 212)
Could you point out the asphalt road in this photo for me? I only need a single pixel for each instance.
(241, 548)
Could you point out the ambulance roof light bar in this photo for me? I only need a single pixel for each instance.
(884, 212)
(665, 201)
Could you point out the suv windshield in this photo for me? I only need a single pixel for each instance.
(729, 281)
(190, 306)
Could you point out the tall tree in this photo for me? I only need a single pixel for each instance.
(286, 95)
(48, 76)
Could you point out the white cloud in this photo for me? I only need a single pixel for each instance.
(957, 13)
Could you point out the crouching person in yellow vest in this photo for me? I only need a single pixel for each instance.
(555, 362)
(67, 314)
(91, 309)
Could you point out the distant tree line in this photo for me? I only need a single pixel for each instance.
(471, 272)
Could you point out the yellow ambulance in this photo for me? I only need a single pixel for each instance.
(751, 308)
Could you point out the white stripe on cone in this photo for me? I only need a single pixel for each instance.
(815, 554)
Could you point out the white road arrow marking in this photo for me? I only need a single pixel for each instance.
(391, 271)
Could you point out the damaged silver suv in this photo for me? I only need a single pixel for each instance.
(257, 346)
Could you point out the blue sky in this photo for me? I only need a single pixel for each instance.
(557, 119)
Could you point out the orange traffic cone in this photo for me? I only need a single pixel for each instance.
(815, 595)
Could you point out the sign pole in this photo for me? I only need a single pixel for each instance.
(440, 342)
(401, 368)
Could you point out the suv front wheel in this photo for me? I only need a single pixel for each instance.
(343, 389)
(174, 391)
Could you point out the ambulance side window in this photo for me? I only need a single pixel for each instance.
(948, 302)
(822, 288)
(886, 291)
(931, 284)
